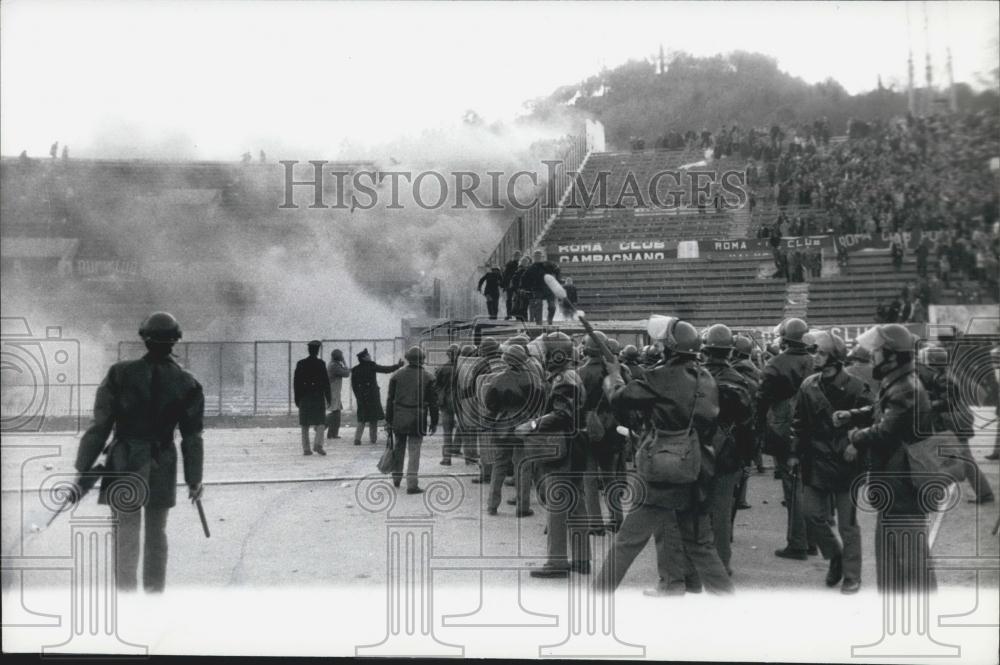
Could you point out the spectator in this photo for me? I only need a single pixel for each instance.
(896, 251)
(337, 371)
(922, 251)
(944, 270)
(411, 399)
(533, 280)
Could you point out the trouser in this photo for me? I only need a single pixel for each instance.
(606, 468)
(492, 305)
(975, 476)
(684, 549)
(372, 431)
(318, 437)
(902, 555)
(406, 446)
(509, 311)
(154, 562)
(816, 507)
(467, 441)
(791, 489)
(721, 512)
(535, 308)
(333, 431)
(567, 534)
(447, 421)
(743, 487)
(508, 455)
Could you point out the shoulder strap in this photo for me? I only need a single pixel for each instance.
(694, 402)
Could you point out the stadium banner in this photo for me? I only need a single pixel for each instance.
(849, 332)
(104, 268)
(909, 240)
(614, 251)
(759, 248)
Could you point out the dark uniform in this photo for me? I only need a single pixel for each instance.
(951, 413)
(512, 396)
(673, 514)
(747, 436)
(825, 474)
(735, 415)
(558, 428)
(143, 401)
(782, 377)
(603, 456)
(311, 390)
(444, 386)
(411, 398)
(901, 412)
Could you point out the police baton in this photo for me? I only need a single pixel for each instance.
(201, 514)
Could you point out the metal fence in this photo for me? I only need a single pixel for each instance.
(255, 378)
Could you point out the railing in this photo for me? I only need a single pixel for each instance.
(255, 378)
(527, 228)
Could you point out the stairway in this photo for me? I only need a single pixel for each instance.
(797, 300)
(740, 225)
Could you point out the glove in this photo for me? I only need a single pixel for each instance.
(841, 418)
(195, 491)
(850, 453)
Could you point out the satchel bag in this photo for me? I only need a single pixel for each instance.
(385, 462)
(931, 458)
(670, 456)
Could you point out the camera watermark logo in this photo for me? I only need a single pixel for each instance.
(40, 379)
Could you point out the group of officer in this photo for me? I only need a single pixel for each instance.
(570, 419)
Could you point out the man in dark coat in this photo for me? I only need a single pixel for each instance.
(445, 378)
(674, 395)
(493, 279)
(367, 398)
(782, 377)
(509, 286)
(143, 401)
(312, 395)
(411, 399)
(742, 363)
(818, 447)
(557, 428)
(533, 280)
(897, 419)
(735, 415)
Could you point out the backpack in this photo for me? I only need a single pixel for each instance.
(670, 456)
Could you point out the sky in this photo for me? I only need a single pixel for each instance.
(210, 80)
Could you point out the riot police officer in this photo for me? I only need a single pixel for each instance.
(735, 415)
(557, 429)
(819, 446)
(782, 377)
(143, 401)
(951, 413)
(900, 414)
(675, 395)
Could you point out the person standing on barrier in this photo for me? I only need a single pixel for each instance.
(509, 287)
(143, 401)
(735, 415)
(312, 395)
(818, 449)
(782, 377)
(444, 385)
(411, 398)
(493, 279)
(560, 489)
(367, 397)
(995, 362)
(901, 412)
(337, 371)
(678, 395)
(951, 413)
(533, 280)
(512, 396)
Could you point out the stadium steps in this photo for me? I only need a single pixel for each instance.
(797, 300)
